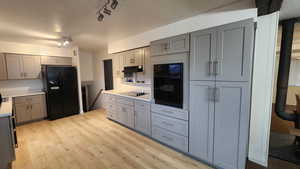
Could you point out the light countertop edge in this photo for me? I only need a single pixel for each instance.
(6, 108)
(131, 97)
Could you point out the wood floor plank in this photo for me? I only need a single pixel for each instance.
(91, 141)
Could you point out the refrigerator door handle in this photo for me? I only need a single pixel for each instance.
(55, 88)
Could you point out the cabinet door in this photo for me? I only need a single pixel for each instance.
(23, 113)
(3, 72)
(235, 50)
(232, 114)
(201, 120)
(160, 47)
(31, 66)
(142, 117)
(14, 66)
(37, 111)
(203, 53)
(7, 150)
(180, 43)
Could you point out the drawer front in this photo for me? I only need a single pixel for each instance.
(125, 101)
(110, 107)
(171, 139)
(169, 111)
(29, 99)
(141, 106)
(177, 126)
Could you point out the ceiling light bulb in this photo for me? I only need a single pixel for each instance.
(114, 4)
(66, 43)
(59, 44)
(107, 11)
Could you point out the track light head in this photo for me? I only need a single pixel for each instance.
(114, 4)
(107, 11)
(100, 17)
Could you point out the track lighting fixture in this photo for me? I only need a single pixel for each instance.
(64, 42)
(114, 4)
(105, 10)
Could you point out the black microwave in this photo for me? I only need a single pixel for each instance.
(168, 84)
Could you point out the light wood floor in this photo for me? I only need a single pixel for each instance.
(91, 141)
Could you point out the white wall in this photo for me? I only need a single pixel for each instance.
(98, 76)
(86, 65)
(195, 23)
(21, 48)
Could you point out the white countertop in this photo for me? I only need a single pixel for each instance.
(6, 108)
(21, 93)
(146, 98)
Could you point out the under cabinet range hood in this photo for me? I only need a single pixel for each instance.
(133, 69)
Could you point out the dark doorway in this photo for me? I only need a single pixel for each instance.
(108, 75)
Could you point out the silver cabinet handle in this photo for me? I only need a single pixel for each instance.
(211, 94)
(210, 68)
(168, 138)
(217, 94)
(168, 111)
(217, 69)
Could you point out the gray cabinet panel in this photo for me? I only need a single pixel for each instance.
(203, 53)
(231, 125)
(3, 72)
(234, 51)
(7, 152)
(142, 121)
(201, 120)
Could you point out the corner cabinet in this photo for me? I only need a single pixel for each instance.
(220, 73)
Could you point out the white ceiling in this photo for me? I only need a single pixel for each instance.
(45, 21)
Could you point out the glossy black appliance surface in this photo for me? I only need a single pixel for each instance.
(60, 85)
(168, 84)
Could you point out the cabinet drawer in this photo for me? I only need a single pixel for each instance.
(141, 106)
(110, 107)
(125, 101)
(177, 126)
(169, 111)
(171, 139)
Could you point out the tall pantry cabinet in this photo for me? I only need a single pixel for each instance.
(220, 74)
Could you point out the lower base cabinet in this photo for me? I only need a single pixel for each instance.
(30, 108)
(219, 125)
(142, 120)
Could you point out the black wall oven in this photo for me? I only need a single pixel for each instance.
(168, 84)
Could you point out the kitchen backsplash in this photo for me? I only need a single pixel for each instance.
(21, 85)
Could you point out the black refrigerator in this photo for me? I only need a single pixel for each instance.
(61, 88)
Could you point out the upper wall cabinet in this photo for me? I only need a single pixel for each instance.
(23, 67)
(3, 72)
(53, 60)
(134, 57)
(172, 45)
(223, 53)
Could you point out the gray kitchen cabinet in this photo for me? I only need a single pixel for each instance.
(31, 66)
(14, 66)
(23, 66)
(203, 54)
(30, 108)
(231, 124)
(201, 119)
(142, 120)
(223, 53)
(234, 51)
(134, 58)
(220, 104)
(7, 150)
(3, 72)
(219, 123)
(176, 44)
